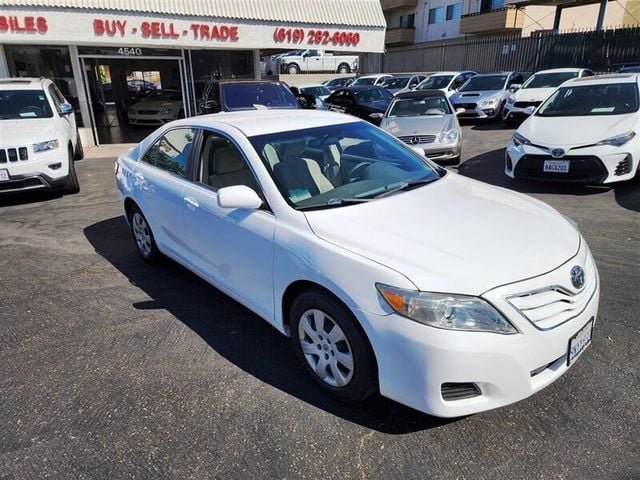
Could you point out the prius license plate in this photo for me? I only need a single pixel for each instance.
(4, 176)
(556, 166)
(579, 342)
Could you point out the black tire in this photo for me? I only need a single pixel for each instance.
(152, 255)
(363, 380)
(293, 69)
(78, 153)
(72, 185)
(344, 68)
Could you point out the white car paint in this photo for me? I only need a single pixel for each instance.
(48, 169)
(308, 89)
(371, 79)
(520, 245)
(578, 136)
(524, 97)
(450, 81)
(158, 108)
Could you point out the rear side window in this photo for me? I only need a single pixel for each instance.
(171, 151)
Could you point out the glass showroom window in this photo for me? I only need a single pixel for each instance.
(436, 15)
(53, 63)
(454, 12)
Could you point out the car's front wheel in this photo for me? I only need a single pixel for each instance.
(72, 185)
(143, 236)
(332, 347)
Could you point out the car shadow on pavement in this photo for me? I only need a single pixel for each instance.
(239, 335)
(13, 199)
(489, 167)
(488, 125)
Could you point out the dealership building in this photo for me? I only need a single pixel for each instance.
(102, 53)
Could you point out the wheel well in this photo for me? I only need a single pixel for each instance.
(128, 203)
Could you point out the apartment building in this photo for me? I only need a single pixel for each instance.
(415, 21)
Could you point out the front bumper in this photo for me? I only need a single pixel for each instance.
(592, 165)
(475, 111)
(511, 112)
(440, 151)
(43, 170)
(415, 361)
(156, 119)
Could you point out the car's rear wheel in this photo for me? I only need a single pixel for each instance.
(72, 185)
(78, 153)
(332, 347)
(293, 69)
(344, 68)
(143, 236)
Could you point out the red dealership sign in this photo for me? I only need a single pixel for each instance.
(165, 30)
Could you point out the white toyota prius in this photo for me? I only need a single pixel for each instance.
(389, 273)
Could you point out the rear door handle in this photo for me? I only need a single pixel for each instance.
(191, 202)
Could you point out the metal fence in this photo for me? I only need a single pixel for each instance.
(602, 51)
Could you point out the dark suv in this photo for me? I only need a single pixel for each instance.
(234, 95)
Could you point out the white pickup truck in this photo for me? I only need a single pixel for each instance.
(308, 61)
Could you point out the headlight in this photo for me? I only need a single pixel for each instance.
(511, 100)
(618, 140)
(488, 103)
(518, 140)
(448, 137)
(44, 146)
(167, 111)
(450, 312)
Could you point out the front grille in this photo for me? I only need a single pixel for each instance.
(582, 169)
(13, 154)
(624, 166)
(526, 104)
(148, 112)
(552, 306)
(466, 106)
(419, 138)
(458, 391)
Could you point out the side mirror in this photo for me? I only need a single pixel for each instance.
(66, 109)
(211, 106)
(459, 111)
(529, 110)
(376, 115)
(515, 87)
(239, 196)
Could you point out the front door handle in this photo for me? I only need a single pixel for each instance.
(191, 202)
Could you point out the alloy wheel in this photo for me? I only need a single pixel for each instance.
(141, 234)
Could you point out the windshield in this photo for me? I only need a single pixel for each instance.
(326, 166)
(317, 91)
(435, 82)
(548, 80)
(253, 96)
(164, 95)
(397, 82)
(414, 107)
(606, 99)
(484, 82)
(365, 81)
(24, 104)
(369, 95)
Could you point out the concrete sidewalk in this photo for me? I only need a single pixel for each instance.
(108, 150)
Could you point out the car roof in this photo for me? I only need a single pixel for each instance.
(260, 122)
(421, 93)
(561, 70)
(357, 88)
(457, 72)
(377, 75)
(605, 79)
(23, 83)
(312, 85)
(487, 74)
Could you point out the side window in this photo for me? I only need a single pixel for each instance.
(171, 151)
(222, 164)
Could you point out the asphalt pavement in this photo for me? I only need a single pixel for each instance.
(110, 368)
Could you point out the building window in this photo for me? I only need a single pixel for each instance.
(436, 15)
(454, 12)
(407, 21)
(489, 5)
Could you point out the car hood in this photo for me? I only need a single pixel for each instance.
(426, 124)
(476, 96)
(586, 130)
(455, 235)
(157, 104)
(27, 131)
(533, 94)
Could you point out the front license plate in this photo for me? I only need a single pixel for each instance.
(556, 166)
(4, 176)
(579, 342)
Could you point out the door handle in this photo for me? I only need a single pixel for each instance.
(191, 202)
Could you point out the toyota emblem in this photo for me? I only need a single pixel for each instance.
(577, 277)
(557, 153)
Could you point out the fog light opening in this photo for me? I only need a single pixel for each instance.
(55, 166)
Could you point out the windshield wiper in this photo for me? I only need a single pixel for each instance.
(409, 185)
(336, 202)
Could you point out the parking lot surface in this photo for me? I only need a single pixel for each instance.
(110, 368)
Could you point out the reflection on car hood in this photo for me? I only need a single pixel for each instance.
(533, 94)
(476, 96)
(455, 235)
(157, 104)
(26, 131)
(553, 131)
(422, 125)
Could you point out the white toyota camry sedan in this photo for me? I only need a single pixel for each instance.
(585, 132)
(357, 247)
